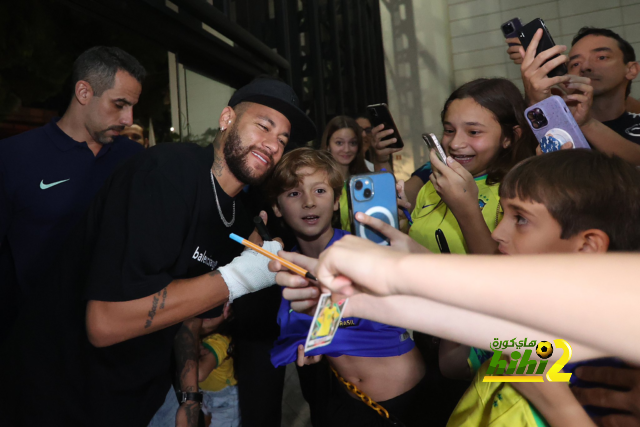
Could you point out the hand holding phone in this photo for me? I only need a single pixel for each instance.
(553, 125)
(538, 84)
(546, 42)
(375, 195)
(380, 114)
(432, 142)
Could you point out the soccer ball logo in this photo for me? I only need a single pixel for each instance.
(544, 349)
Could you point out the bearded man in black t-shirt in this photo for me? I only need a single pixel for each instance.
(153, 251)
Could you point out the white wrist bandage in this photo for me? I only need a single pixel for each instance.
(249, 272)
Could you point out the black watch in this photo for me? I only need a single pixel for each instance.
(183, 396)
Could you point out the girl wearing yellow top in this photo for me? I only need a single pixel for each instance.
(343, 139)
(485, 135)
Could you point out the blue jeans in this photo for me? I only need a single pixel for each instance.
(221, 405)
(166, 415)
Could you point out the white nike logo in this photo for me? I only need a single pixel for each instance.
(45, 186)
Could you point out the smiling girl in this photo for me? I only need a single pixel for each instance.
(485, 134)
(342, 138)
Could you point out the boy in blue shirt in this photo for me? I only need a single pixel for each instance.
(380, 360)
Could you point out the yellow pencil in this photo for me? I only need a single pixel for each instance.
(291, 266)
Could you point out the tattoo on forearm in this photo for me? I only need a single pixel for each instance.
(214, 273)
(185, 349)
(154, 306)
(192, 410)
(164, 297)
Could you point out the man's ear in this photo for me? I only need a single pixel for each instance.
(633, 68)
(226, 117)
(84, 92)
(276, 210)
(594, 241)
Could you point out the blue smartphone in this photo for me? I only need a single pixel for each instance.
(375, 195)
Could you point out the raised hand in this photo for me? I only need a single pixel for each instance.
(454, 184)
(382, 149)
(397, 239)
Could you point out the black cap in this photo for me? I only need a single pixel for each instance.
(280, 96)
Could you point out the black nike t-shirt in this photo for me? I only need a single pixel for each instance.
(155, 220)
(627, 125)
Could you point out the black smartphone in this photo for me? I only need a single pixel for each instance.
(511, 29)
(546, 42)
(380, 114)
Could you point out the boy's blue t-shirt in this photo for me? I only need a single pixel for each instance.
(355, 336)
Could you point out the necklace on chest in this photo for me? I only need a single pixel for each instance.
(215, 193)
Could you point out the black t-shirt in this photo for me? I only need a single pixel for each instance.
(155, 220)
(627, 125)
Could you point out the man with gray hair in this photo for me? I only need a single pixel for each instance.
(49, 175)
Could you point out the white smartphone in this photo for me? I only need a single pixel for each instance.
(433, 144)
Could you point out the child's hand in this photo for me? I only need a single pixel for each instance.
(306, 360)
(454, 184)
(397, 239)
(303, 293)
(565, 146)
(353, 264)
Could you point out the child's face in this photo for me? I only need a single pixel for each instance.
(308, 208)
(343, 146)
(472, 135)
(528, 228)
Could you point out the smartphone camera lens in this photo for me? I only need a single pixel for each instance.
(359, 185)
(367, 193)
(508, 28)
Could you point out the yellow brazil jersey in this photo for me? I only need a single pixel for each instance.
(495, 405)
(222, 375)
(345, 222)
(328, 315)
(430, 214)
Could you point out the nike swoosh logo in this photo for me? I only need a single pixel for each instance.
(426, 206)
(45, 186)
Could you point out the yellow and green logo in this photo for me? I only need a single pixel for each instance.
(523, 366)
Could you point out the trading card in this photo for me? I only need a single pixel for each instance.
(325, 322)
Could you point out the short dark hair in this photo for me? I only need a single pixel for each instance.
(98, 67)
(582, 190)
(628, 53)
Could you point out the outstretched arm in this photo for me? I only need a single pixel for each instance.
(109, 323)
(568, 288)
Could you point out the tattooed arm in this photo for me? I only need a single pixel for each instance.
(109, 323)
(186, 348)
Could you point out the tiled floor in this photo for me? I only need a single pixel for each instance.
(295, 410)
